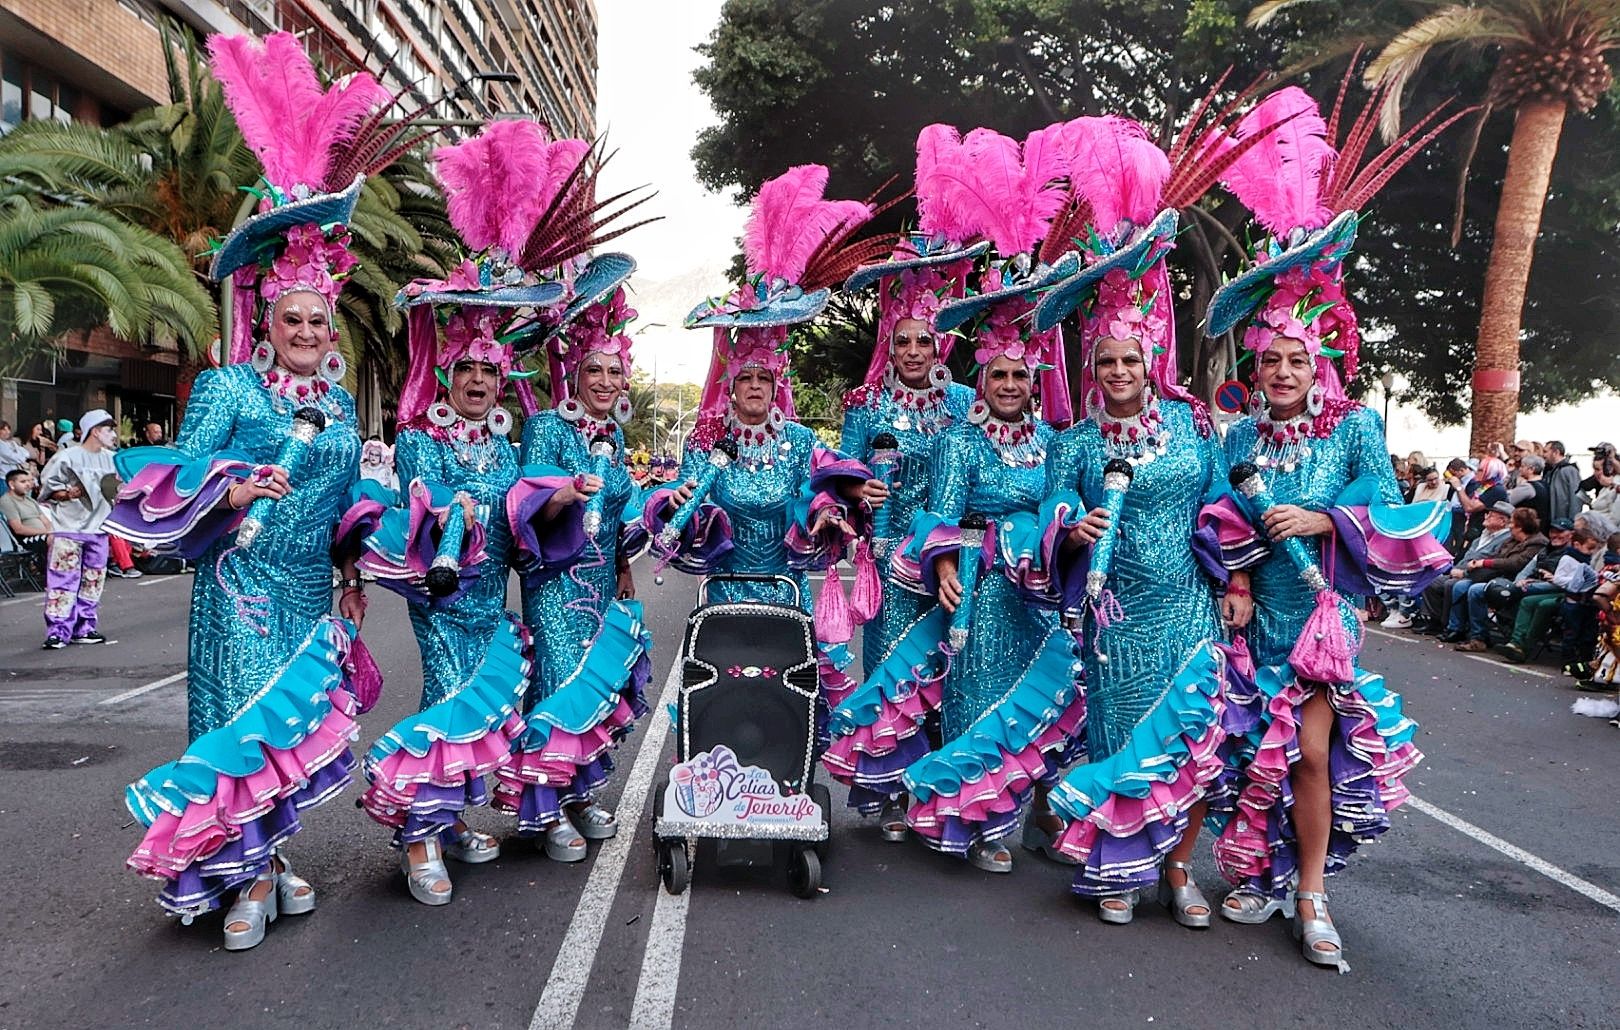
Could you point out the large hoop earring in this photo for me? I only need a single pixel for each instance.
(623, 410)
(263, 357)
(571, 410)
(441, 414)
(499, 422)
(978, 412)
(333, 367)
(939, 376)
(1315, 397)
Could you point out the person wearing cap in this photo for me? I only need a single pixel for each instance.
(1564, 500)
(1439, 596)
(64, 433)
(76, 563)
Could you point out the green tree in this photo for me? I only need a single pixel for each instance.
(1547, 59)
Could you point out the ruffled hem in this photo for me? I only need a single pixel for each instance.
(1370, 751)
(174, 500)
(1368, 561)
(215, 814)
(972, 788)
(399, 545)
(1127, 811)
(563, 752)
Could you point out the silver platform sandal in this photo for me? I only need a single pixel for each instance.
(1179, 899)
(473, 847)
(289, 900)
(595, 822)
(422, 877)
(1317, 930)
(1044, 843)
(1253, 907)
(256, 915)
(990, 855)
(1122, 915)
(563, 843)
(892, 820)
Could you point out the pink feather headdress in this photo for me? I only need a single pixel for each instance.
(796, 245)
(316, 145)
(1305, 185)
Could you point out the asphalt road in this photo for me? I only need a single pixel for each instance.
(1442, 928)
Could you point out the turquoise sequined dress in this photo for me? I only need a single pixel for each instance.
(427, 769)
(593, 652)
(1154, 669)
(269, 700)
(874, 410)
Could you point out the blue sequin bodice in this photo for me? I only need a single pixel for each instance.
(1168, 602)
(454, 638)
(286, 577)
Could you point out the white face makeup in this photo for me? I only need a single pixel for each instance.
(300, 331)
(474, 387)
(1286, 373)
(600, 383)
(1008, 386)
(751, 393)
(913, 352)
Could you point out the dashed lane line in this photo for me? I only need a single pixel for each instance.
(127, 695)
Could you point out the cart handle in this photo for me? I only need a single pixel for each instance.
(749, 577)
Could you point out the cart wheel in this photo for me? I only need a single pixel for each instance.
(804, 875)
(823, 797)
(672, 868)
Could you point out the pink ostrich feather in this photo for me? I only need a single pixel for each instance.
(1282, 178)
(493, 182)
(790, 220)
(994, 190)
(1118, 168)
(939, 148)
(290, 123)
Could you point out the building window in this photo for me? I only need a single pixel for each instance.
(28, 92)
(11, 93)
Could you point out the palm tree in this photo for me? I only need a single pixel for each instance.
(1549, 59)
(73, 267)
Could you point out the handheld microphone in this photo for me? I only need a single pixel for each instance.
(885, 458)
(972, 526)
(1246, 480)
(602, 448)
(444, 575)
(722, 454)
(307, 424)
(1117, 476)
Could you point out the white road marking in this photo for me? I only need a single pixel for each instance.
(147, 689)
(559, 1002)
(147, 581)
(654, 1007)
(1492, 662)
(1518, 854)
(40, 601)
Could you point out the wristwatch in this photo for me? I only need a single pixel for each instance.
(353, 583)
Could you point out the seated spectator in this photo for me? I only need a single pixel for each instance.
(1438, 596)
(1427, 484)
(64, 434)
(1560, 573)
(1563, 483)
(27, 521)
(1468, 625)
(1583, 620)
(1599, 525)
(1532, 489)
(1604, 483)
(41, 445)
(1490, 478)
(1403, 476)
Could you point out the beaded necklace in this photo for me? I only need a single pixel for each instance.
(1015, 442)
(758, 446)
(1140, 438)
(290, 391)
(921, 408)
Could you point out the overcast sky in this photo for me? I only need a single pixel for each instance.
(651, 112)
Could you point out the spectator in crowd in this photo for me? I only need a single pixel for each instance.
(1599, 525)
(377, 463)
(1490, 479)
(1427, 484)
(1604, 482)
(13, 455)
(1560, 573)
(152, 434)
(1439, 596)
(1403, 475)
(24, 516)
(1532, 489)
(1497, 450)
(64, 433)
(40, 444)
(76, 566)
(1563, 482)
(1468, 625)
(1581, 618)
(1459, 478)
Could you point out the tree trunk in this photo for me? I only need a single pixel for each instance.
(1518, 220)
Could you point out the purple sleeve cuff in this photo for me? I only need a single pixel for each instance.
(543, 548)
(1225, 541)
(703, 541)
(1064, 585)
(156, 508)
(1366, 561)
(359, 522)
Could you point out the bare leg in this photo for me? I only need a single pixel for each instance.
(1183, 852)
(1313, 814)
(1048, 820)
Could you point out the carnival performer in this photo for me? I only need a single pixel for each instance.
(272, 678)
(1145, 457)
(785, 504)
(455, 458)
(999, 669)
(1316, 520)
(592, 649)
